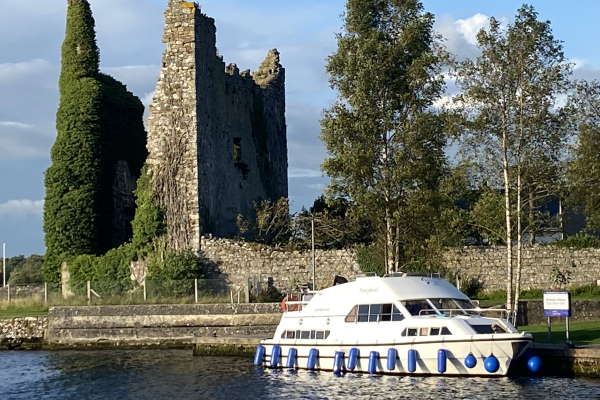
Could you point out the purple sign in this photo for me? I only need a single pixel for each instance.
(557, 304)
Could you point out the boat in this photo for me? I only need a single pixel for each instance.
(396, 324)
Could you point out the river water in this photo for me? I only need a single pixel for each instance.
(176, 374)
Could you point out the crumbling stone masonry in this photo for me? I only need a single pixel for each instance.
(217, 137)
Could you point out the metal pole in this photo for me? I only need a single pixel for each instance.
(549, 330)
(196, 291)
(3, 264)
(45, 293)
(89, 292)
(314, 261)
(8, 291)
(145, 293)
(568, 341)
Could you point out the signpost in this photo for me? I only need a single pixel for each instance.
(557, 304)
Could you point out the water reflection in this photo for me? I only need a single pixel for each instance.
(179, 375)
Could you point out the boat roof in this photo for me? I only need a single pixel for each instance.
(374, 290)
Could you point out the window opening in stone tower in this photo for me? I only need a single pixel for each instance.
(237, 149)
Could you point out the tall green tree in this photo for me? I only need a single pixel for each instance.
(73, 179)
(584, 170)
(385, 145)
(509, 95)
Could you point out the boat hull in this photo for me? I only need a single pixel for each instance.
(507, 351)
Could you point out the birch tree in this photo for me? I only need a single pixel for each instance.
(509, 95)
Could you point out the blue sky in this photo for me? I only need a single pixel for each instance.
(129, 33)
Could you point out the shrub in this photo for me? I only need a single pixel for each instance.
(578, 241)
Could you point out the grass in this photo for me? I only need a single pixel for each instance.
(590, 292)
(584, 332)
(22, 309)
(34, 307)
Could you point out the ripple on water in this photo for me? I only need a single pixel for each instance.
(177, 374)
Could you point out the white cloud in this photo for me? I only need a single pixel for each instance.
(304, 173)
(471, 26)
(11, 73)
(25, 207)
(15, 124)
(134, 75)
(20, 140)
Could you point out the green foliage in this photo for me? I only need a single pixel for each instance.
(578, 241)
(80, 55)
(109, 273)
(385, 145)
(149, 222)
(98, 123)
(370, 260)
(73, 179)
(584, 171)
(123, 140)
(172, 265)
(338, 224)
(488, 217)
(26, 272)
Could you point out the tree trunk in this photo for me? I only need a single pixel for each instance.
(519, 248)
(532, 227)
(509, 266)
(389, 245)
(561, 220)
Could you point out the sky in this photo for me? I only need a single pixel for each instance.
(129, 36)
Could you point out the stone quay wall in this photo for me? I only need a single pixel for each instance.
(244, 263)
(158, 325)
(22, 332)
(488, 265)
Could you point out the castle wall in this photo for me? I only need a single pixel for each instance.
(233, 135)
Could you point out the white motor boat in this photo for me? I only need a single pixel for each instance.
(397, 324)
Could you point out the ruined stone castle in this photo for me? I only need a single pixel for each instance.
(217, 136)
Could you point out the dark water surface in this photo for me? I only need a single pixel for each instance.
(166, 374)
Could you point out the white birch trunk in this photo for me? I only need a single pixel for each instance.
(509, 266)
(519, 248)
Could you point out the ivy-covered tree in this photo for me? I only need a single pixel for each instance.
(98, 154)
(385, 145)
(73, 179)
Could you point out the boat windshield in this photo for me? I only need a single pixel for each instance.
(446, 306)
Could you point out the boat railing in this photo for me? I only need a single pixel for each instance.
(296, 301)
(502, 312)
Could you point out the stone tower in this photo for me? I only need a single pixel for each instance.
(217, 137)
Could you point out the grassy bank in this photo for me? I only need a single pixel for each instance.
(585, 332)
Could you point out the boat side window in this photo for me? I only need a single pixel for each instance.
(424, 332)
(320, 335)
(396, 314)
(326, 334)
(305, 335)
(446, 331)
(313, 335)
(374, 311)
(411, 332)
(434, 331)
(386, 312)
(363, 313)
(351, 317)
(415, 307)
